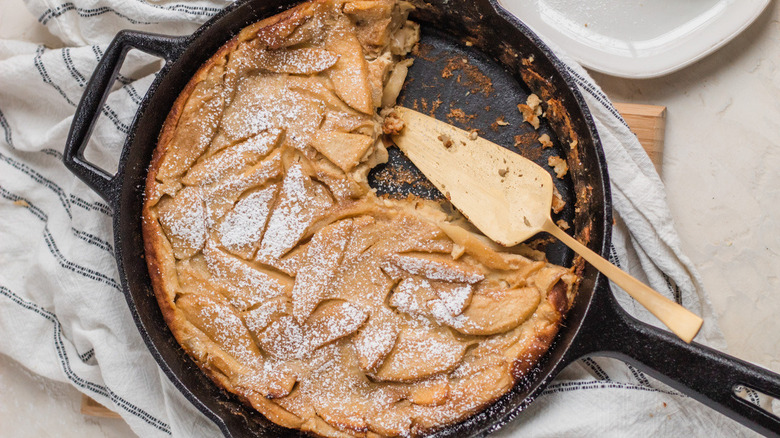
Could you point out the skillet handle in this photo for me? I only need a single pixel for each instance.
(700, 372)
(94, 96)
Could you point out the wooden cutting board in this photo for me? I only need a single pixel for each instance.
(648, 123)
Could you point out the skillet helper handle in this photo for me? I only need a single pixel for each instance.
(95, 95)
(704, 374)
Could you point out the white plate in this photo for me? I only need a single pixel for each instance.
(637, 38)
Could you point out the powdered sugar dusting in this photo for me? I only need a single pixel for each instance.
(185, 222)
(299, 61)
(257, 319)
(448, 307)
(420, 298)
(374, 342)
(284, 339)
(437, 269)
(345, 319)
(294, 212)
(226, 329)
(240, 273)
(223, 195)
(322, 258)
(420, 353)
(266, 102)
(411, 295)
(244, 225)
(220, 165)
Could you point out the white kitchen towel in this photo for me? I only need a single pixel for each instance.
(63, 315)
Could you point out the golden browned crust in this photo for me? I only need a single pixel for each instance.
(423, 395)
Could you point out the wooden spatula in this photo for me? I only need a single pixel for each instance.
(509, 197)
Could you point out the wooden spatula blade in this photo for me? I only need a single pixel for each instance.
(503, 194)
(508, 198)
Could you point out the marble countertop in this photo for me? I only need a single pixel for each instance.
(720, 169)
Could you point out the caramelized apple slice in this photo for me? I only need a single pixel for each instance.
(333, 320)
(421, 353)
(301, 200)
(447, 311)
(376, 21)
(259, 318)
(283, 338)
(378, 72)
(350, 73)
(433, 267)
(223, 195)
(291, 262)
(280, 30)
(196, 127)
(304, 61)
(320, 90)
(183, 220)
(280, 378)
(455, 297)
(478, 246)
(262, 284)
(223, 366)
(232, 159)
(265, 102)
(497, 311)
(464, 396)
(343, 149)
(344, 414)
(197, 279)
(242, 228)
(394, 421)
(365, 10)
(432, 392)
(274, 412)
(323, 256)
(412, 295)
(222, 324)
(395, 82)
(374, 342)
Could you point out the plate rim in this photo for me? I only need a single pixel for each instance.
(687, 50)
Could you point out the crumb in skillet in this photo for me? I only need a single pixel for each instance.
(531, 110)
(562, 224)
(544, 139)
(557, 202)
(460, 116)
(393, 124)
(559, 165)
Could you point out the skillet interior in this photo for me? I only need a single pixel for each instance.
(492, 77)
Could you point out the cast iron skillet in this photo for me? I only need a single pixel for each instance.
(596, 324)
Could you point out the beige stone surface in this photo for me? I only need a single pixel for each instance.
(721, 170)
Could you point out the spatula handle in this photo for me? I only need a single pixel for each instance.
(680, 320)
